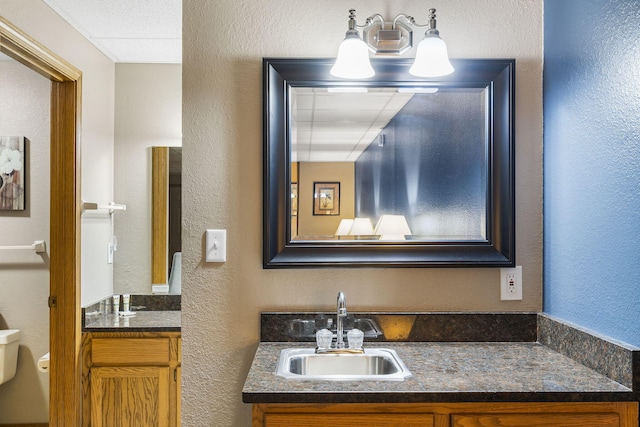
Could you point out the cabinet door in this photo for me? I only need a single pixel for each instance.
(536, 420)
(130, 396)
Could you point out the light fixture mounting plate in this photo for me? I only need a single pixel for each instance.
(386, 40)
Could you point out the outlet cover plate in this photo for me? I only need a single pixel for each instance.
(511, 283)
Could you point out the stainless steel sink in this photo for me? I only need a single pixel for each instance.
(379, 364)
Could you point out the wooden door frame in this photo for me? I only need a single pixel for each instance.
(65, 386)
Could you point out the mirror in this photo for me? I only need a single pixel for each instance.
(166, 215)
(425, 165)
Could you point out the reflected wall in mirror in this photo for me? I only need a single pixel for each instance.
(426, 164)
(166, 215)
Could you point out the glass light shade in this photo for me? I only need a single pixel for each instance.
(344, 227)
(392, 227)
(432, 59)
(362, 227)
(353, 60)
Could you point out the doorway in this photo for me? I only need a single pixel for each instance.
(64, 295)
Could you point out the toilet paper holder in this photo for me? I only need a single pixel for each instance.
(43, 363)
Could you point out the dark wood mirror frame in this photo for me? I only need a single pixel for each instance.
(279, 251)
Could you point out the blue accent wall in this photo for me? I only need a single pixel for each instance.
(592, 165)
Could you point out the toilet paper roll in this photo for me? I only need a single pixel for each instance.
(43, 363)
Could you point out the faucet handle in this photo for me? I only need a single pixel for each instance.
(355, 337)
(324, 338)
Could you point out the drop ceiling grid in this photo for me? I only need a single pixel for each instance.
(128, 31)
(340, 126)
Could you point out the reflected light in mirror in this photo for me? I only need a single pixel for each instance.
(362, 227)
(344, 228)
(392, 227)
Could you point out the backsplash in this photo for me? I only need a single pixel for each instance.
(614, 359)
(416, 327)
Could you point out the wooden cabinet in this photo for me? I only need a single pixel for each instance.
(130, 396)
(515, 414)
(131, 379)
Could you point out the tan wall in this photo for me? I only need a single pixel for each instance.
(223, 46)
(148, 113)
(24, 275)
(310, 225)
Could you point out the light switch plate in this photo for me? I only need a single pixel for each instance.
(216, 246)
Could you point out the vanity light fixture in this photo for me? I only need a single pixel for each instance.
(353, 54)
(395, 38)
(417, 90)
(347, 89)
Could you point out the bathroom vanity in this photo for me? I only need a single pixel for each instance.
(530, 378)
(132, 367)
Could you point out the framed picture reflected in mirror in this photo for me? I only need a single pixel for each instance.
(326, 198)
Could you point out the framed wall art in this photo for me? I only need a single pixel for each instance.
(326, 198)
(12, 173)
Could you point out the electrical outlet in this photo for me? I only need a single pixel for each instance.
(511, 283)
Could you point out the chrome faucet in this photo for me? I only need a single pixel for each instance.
(324, 337)
(341, 313)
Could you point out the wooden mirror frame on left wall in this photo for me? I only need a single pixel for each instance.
(64, 298)
(159, 214)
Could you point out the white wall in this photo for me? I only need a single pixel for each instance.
(148, 113)
(30, 404)
(24, 275)
(223, 46)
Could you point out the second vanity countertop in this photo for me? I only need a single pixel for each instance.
(443, 372)
(143, 321)
(153, 313)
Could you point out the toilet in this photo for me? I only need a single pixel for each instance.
(9, 340)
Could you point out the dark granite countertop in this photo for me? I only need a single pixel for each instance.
(444, 372)
(153, 313)
(455, 357)
(143, 321)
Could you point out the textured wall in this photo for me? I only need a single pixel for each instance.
(148, 113)
(591, 164)
(223, 46)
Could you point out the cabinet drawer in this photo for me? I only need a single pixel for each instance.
(348, 420)
(130, 351)
(535, 420)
